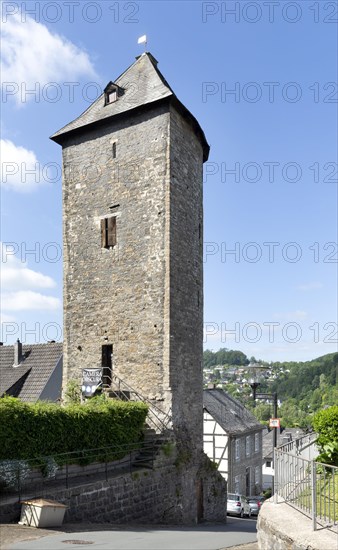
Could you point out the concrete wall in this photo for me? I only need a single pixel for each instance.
(280, 527)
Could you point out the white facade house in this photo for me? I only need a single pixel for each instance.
(232, 438)
(298, 442)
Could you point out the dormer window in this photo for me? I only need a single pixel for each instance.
(111, 96)
(111, 93)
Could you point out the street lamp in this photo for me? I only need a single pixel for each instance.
(255, 370)
(254, 377)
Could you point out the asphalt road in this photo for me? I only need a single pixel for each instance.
(96, 537)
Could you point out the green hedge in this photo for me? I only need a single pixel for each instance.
(325, 423)
(29, 430)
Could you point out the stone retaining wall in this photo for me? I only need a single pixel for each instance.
(281, 527)
(171, 493)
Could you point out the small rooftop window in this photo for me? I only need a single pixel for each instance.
(111, 93)
(111, 96)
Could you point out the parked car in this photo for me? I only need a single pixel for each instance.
(255, 503)
(238, 505)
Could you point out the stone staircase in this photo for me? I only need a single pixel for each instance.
(151, 446)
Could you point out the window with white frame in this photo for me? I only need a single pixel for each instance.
(237, 449)
(257, 475)
(248, 445)
(256, 443)
(237, 484)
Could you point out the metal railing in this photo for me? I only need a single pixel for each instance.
(159, 420)
(38, 476)
(310, 487)
(300, 445)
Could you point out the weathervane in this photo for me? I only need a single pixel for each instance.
(143, 40)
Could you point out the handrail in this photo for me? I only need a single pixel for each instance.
(297, 443)
(160, 419)
(307, 485)
(22, 476)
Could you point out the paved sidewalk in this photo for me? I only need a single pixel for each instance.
(126, 537)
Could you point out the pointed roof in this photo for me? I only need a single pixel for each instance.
(28, 380)
(229, 413)
(141, 85)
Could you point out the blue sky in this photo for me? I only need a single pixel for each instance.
(275, 297)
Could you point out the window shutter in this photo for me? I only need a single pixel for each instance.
(111, 231)
(103, 234)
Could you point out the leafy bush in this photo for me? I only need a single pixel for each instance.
(325, 423)
(29, 430)
(73, 392)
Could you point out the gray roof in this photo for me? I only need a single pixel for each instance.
(229, 413)
(281, 439)
(141, 85)
(29, 379)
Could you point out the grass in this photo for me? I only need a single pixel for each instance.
(326, 497)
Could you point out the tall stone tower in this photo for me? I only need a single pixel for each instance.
(133, 234)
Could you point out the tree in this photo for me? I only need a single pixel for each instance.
(224, 356)
(209, 358)
(322, 381)
(325, 423)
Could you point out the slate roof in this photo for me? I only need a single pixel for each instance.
(268, 439)
(229, 413)
(142, 84)
(29, 379)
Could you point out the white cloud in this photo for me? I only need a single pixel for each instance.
(13, 278)
(19, 284)
(314, 285)
(29, 300)
(32, 54)
(20, 169)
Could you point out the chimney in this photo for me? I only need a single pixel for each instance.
(17, 353)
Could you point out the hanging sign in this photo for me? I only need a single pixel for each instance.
(92, 376)
(274, 422)
(91, 379)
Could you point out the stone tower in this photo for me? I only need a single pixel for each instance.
(133, 234)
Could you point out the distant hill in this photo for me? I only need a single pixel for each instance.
(302, 387)
(224, 356)
(306, 377)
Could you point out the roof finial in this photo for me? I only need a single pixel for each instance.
(143, 40)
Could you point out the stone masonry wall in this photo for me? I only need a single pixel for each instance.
(116, 295)
(186, 281)
(145, 295)
(164, 495)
